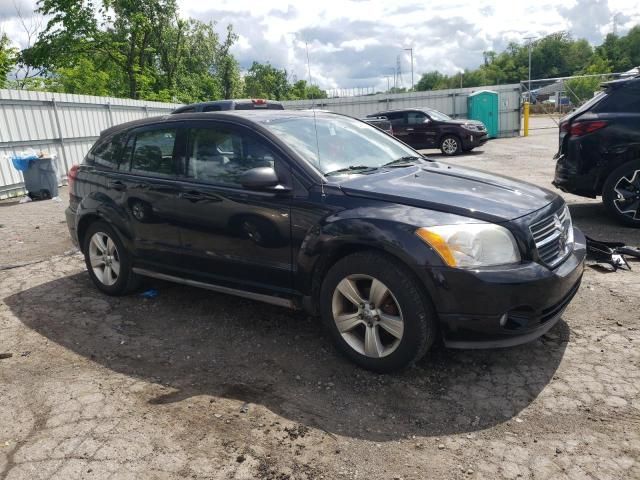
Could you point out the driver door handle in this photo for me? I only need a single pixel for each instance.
(117, 185)
(409, 129)
(192, 196)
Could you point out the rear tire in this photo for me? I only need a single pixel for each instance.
(450, 145)
(393, 326)
(621, 193)
(108, 262)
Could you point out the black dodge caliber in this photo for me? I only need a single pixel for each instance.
(326, 213)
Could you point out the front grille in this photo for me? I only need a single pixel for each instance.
(553, 237)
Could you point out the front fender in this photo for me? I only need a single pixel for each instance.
(386, 227)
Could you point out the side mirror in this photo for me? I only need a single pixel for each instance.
(261, 178)
(426, 120)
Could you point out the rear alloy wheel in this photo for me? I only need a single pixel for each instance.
(621, 193)
(107, 260)
(104, 258)
(450, 145)
(376, 312)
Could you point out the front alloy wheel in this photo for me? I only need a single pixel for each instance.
(450, 145)
(367, 315)
(377, 311)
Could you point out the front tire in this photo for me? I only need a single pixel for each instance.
(376, 312)
(450, 145)
(621, 193)
(108, 262)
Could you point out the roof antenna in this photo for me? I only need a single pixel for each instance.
(313, 108)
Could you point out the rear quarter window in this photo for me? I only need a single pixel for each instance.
(106, 152)
(625, 99)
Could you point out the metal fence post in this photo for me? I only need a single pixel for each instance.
(453, 109)
(146, 111)
(110, 114)
(60, 134)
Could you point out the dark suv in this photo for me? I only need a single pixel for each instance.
(427, 128)
(599, 150)
(327, 213)
(237, 104)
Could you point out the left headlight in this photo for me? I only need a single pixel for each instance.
(472, 244)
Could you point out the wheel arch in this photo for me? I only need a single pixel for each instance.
(341, 249)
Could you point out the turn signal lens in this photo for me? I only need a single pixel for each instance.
(439, 244)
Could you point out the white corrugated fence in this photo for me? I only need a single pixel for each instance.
(63, 124)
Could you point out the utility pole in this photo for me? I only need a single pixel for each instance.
(530, 43)
(615, 24)
(411, 51)
(388, 77)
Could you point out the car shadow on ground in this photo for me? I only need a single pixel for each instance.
(201, 343)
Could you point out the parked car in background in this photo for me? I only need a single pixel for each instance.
(599, 150)
(381, 122)
(428, 128)
(238, 104)
(324, 212)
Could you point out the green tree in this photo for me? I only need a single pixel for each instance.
(301, 90)
(429, 81)
(265, 81)
(582, 88)
(7, 58)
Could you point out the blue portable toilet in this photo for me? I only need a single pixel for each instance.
(483, 106)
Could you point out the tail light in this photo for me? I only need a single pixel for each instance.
(578, 129)
(564, 127)
(259, 101)
(71, 177)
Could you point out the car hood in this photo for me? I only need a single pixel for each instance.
(443, 187)
(462, 122)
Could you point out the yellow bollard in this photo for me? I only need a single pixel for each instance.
(526, 119)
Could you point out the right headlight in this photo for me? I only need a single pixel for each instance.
(472, 244)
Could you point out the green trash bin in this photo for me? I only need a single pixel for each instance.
(483, 106)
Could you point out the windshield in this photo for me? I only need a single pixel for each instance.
(342, 142)
(436, 115)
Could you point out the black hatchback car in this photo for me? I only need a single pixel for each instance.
(428, 128)
(326, 213)
(599, 150)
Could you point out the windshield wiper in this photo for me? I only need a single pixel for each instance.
(402, 161)
(352, 168)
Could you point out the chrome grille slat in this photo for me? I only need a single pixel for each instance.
(550, 236)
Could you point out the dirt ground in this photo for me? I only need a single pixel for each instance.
(192, 384)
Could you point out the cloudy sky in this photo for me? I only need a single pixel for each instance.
(355, 43)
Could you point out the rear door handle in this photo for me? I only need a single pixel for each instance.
(409, 129)
(117, 185)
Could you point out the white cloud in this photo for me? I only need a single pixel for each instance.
(355, 42)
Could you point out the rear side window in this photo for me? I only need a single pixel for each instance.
(152, 152)
(621, 100)
(106, 152)
(396, 118)
(212, 108)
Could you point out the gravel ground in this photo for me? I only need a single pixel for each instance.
(192, 384)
